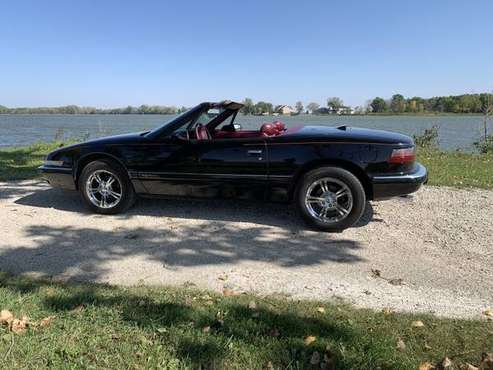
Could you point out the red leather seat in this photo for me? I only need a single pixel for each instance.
(201, 132)
(280, 126)
(268, 129)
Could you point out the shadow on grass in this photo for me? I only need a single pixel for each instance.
(176, 319)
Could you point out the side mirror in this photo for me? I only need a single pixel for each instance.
(237, 126)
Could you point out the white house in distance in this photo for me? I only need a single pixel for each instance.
(285, 110)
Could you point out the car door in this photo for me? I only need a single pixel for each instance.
(236, 167)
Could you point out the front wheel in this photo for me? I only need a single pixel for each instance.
(330, 198)
(106, 188)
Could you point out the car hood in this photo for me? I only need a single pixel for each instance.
(349, 134)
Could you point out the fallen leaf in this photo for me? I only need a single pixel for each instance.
(401, 346)
(19, 325)
(46, 321)
(387, 311)
(488, 312)
(206, 329)
(77, 309)
(446, 362)
(228, 292)
(115, 336)
(321, 309)
(252, 305)
(396, 281)
(315, 360)
(376, 273)
(426, 366)
(6, 317)
(309, 340)
(417, 324)
(269, 366)
(427, 346)
(468, 366)
(223, 277)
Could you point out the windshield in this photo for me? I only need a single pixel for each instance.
(178, 117)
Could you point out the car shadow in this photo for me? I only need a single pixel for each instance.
(235, 210)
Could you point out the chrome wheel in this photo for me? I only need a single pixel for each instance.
(103, 189)
(329, 200)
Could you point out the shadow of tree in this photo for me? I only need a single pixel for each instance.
(274, 214)
(176, 319)
(77, 253)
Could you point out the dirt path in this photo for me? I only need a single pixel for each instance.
(439, 242)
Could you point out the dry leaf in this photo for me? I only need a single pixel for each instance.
(252, 305)
(376, 273)
(417, 324)
(206, 329)
(315, 360)
(223, 277)
(469, 367)
(488, 312)
(228, 292)
(269, 366)
(77, 309)
(19, 325)
(396, 281)
(46, 321)
(387, 311)
(401, 346)
(309, 340)
(6, 317)
(427, 346)
(446, 362)
(321, 309)
(426, 366)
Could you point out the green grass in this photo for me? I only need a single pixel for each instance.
(458, 169)
(99, 326)
(22, 162)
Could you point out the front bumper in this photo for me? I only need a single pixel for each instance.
(387, 186)
(58, 177)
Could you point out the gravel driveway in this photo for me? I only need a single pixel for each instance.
(433, 251)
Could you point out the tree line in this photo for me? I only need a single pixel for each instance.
(466, 103)
(74, 109)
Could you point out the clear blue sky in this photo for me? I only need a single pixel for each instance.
(115, 53)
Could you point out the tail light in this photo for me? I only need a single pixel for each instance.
(401, 156)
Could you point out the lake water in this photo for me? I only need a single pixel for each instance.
(455, 132)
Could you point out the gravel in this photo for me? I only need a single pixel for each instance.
(431, 252)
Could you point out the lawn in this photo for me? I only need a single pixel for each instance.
(99, 326)
(22, 162)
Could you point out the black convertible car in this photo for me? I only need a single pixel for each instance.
(329, 173)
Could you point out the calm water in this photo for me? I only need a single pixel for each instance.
(455, 132)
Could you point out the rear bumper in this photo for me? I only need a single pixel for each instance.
(58, 177)
(395, 185)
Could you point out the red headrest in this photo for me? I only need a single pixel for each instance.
(279, 125)
(268, 129)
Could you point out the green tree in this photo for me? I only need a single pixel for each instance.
(312, 107)
(299, 107)
(378, 105)
(248, 107)
(334, 103)
(397, 103)
(263, 108)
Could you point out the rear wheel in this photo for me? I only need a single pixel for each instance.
(330, 198)
(106, 188)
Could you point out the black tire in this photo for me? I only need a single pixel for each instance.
(123, 186)
(342, 176)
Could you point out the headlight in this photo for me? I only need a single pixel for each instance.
(53, 163)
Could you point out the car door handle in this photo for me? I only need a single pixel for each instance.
(254, 152)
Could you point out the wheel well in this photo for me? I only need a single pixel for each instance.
(84, 161)
(351, 167)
